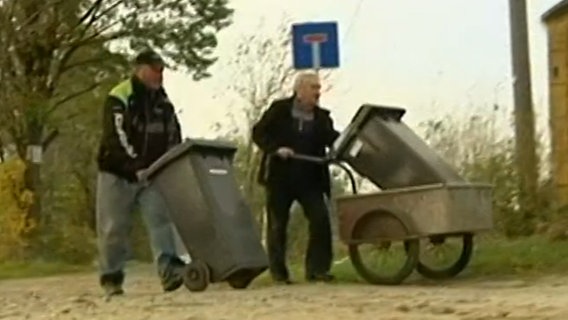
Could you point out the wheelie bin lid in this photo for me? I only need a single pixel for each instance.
(379, 145)
(182, 149)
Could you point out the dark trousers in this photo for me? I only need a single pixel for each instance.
(319, 252)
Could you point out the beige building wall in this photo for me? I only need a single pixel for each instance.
(558, 88)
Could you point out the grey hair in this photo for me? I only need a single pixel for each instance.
(302, 78)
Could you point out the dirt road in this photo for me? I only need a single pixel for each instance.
(78, 297)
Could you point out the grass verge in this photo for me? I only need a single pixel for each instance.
(493, 257)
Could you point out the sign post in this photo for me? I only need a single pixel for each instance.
(315, 45)
(315, 40)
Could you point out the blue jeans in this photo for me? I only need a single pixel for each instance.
(116, 201)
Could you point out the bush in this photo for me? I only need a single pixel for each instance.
(67, 234)
(475, 147)
(14, 204)
(70, 236)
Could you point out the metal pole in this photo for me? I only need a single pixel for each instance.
(316, 56)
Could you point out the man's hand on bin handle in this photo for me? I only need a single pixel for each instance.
(140, 174)
(284, 152)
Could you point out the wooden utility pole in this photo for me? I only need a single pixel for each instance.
(525, 150)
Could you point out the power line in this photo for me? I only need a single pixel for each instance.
(352, 20)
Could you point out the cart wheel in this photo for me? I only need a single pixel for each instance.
(196, 277)
(439, 243)
(383, 224)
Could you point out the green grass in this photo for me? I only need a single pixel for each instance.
(492, 258)
(526, 257)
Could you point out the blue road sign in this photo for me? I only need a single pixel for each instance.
(315, 45)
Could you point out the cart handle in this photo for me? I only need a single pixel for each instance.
(328, 161)
(304, 157)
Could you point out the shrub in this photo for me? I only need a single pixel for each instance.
(14, 203)
(482, 153)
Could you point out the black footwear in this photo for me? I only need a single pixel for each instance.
(112, 283)
(325, 277)
(171, 272)
(281, 279)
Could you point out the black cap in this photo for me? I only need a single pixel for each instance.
(149, 57)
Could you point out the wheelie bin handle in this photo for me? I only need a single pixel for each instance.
(303, 157)
(328, 161)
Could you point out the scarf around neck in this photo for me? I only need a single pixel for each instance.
(299, 113)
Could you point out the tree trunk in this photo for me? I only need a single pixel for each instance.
(33, 173)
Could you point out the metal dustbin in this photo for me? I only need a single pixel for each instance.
(214, 222)
(379, 146)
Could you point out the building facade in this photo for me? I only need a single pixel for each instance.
(556, 20)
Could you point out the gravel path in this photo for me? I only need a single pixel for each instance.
(78, 297)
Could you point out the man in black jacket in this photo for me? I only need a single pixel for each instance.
(297, 125)
(139, 126)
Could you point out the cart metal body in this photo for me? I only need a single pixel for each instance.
(450, 209)
(421, 195)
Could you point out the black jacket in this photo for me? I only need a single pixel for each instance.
(275, 129)
(139, 126)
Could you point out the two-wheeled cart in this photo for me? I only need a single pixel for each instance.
(423, 203)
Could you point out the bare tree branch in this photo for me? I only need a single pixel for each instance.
(94, 17)
(76, 40)
(83, 63)
(72, 96)
(262, 72)
(95, 38)
(49, 139)
(90, 12)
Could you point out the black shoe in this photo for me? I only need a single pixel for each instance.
(112, 283)
(282, 279)
(325, 277)
(171, 273)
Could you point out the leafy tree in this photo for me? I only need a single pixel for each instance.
(46, 43)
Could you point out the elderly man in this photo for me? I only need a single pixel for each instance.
(297, 125)
(139, 126)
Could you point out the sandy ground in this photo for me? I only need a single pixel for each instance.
(78, 297)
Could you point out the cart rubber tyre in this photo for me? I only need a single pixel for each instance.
(454, 269)
(196, 276)
(412, 255)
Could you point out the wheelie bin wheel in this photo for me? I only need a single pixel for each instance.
(196, 278)
(438, 243)
(383, 224)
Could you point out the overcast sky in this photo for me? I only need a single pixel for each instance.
(430, 57)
